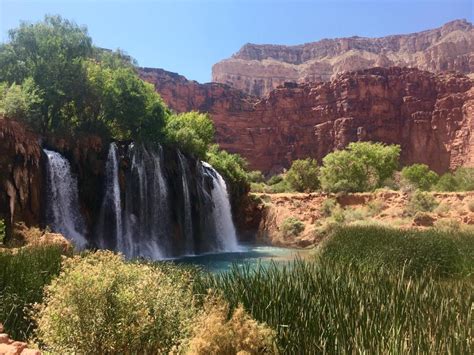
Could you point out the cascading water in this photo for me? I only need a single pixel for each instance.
(147, 224)
(188, 222)
(62, 211)
(109, 228)
(222, 214)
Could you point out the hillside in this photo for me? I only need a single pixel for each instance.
(258, 69)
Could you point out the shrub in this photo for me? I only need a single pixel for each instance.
(2, 231)
(213, 333)
(362, 166)
(23, 274)
(255, 176)
(303, 175)
(421, 202)
(275, 179)
(101, 304)
(374, 207)
(420, 175)
(338, 215)
(292, 226)
(460, 180)
(328, 206)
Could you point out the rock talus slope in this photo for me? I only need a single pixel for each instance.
(258, 69)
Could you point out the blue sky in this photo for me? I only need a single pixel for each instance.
(189, 36)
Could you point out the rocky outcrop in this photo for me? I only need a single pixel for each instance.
(430, 115)
(12, 347)
(20, 174)
(258, 69)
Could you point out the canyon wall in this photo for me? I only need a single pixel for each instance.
(258, 69)
(430, 115)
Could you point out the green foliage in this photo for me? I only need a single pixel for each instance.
(340, 308)
(193, 132)
(362, 166)
(232, 167)
(57, 81)
(2, 231)
(101, 304)
(421, 202)
(275, 179)
(420, 176)
(460, 180)
(292, 227)
(303, 175)
(328, 206)
(443, 254)
(255, 176)
(22, 277)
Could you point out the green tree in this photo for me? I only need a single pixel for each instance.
(462, 179)
(303, 175)
(51, 53)
(362, 166)
(420, 175)
(193, 132)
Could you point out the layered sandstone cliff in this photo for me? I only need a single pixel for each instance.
(430, 115)
(258, 69)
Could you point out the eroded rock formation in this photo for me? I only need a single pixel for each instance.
(430, 115)
(258, 69)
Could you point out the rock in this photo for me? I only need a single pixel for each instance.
(259, 69)
(423, 220)
(428, 114)
(4, 339)
(30, 352)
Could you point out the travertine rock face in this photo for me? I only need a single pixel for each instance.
(258, 69)
(430, 115)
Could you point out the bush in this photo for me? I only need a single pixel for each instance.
(192, 132)
(23, 274)
(421, 202)
(328, 206)
(101, 304)
(275, 179)
(460, 180)
(362, 166)
(303, 175)
(2, 231)
(292, 226)
(214, 333)
(255, 176)
(420, 176)
(374, 207)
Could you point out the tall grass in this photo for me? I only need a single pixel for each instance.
(23, 275)
(444, 254)
(330, 307)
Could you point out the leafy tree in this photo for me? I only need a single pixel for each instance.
(303, 175)
(21, 102)
(193, 132)
(420, 175)
(362, 166)
(51, 53)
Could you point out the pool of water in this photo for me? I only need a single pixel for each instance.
(249, 254)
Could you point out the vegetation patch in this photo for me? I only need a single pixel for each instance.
(292, 227)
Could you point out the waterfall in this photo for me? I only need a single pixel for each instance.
(62, 211)
(109, 227)
(188, 222)
(146, 214)
(221, 213)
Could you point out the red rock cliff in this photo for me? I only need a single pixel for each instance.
(430, 115)
(258, 69)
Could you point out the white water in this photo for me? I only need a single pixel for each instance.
(222, 214)
(188, 222)
(109, 227)
(62, 212)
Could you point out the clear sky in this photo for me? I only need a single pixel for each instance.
(189, 36)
